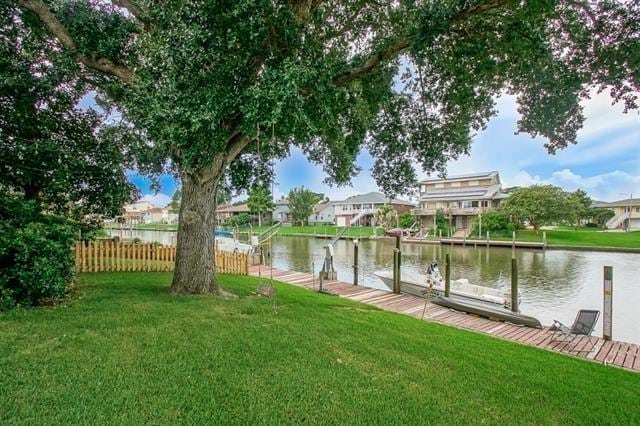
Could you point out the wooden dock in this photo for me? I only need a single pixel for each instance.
(608, 352)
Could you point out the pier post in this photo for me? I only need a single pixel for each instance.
(396, 271)
(514, 285)
(355, 262)
(544, 239)
(447, 275)
(399, 260)
(513, 239)
(440, 232)
(607, 310)
(487, 239)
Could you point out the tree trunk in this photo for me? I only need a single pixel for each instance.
(259, 218)
(195, 269)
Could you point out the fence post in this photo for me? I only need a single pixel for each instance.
(447, 275)
(607, 311)
(355, 262)
(514, 285)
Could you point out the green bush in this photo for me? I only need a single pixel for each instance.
(36, 262)
(496, 223)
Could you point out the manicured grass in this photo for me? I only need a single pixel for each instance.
(580, 237)
(125, 351)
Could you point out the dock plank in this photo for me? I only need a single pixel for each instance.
(621, 354)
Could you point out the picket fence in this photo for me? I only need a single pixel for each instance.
(112, 256)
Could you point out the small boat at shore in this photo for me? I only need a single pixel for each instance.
(225, 241)
(419, 284)
(486, 310)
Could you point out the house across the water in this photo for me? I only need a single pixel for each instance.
(359, 210)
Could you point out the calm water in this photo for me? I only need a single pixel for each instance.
(554, 284)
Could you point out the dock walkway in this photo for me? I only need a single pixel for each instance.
(625, 355)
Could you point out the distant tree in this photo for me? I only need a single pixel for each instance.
(600, 215)
(538, 205)
(260, 200)
(301, 203)
(176, 198)
(240, 219)
(386, 217)
(223, 196)
(580, 204)
(406, 220)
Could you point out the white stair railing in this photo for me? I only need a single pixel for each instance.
(617, 220)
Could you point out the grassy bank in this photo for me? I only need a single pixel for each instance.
(580, 237)
(125, 351)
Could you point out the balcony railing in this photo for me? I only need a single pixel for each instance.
(452, 211)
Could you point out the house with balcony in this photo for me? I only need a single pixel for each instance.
(627, 214)
(461, 198)
(323, 214)
(359, 210)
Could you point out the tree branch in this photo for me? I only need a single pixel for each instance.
(55, 27)
(403, 43)
(235, 144)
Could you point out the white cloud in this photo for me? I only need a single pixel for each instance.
(608, 186)
(158, 200)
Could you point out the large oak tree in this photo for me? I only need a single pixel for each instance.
(410, 80)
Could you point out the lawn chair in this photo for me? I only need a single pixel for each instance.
(583, 326)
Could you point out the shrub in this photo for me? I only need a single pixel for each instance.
(494, 222)
(36, 262)
(591, 225)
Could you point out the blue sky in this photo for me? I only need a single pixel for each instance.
(605, 162)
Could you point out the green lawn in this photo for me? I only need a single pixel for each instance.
(124, 351)
(581, 237)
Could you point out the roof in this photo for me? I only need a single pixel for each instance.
(489, 192)
(240, 208)
(483, 175)
(155, 210)
(373, 198)
(621, 203)
(322, 206)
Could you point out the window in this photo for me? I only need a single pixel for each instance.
(453, 204)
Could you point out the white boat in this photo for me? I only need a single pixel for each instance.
(231, 244)
(417, 284)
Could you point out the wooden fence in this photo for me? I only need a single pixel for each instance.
(111, 256)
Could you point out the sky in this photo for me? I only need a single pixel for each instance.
(605, 162)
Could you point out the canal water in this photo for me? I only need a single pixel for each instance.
(553, 284)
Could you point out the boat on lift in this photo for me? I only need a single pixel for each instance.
(419, 284)
(464, 296)
(225, 241)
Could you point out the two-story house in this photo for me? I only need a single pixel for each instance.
(461, 198)
(627, 214)
(360, 209)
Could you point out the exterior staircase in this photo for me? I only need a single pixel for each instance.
(359, 216)
(461, 233)
(617, 220)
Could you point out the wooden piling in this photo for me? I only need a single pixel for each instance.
(514, 285)
(396, 271)
(447, 275)
(355, 262)
(607, 311)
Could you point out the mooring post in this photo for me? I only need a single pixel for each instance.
(514, 285)
(544, 239)
(487, 239)
(513, 239)
(355, 262)
(396, 271)
(607, 311)
(399, 260)
(447, 275)
(440, 233)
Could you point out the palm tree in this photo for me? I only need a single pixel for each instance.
(259, 201)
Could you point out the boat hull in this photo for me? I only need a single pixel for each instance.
(486, 310)
(421, 290)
